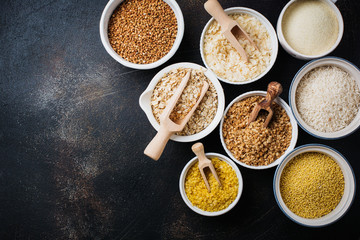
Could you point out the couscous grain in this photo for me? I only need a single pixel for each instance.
(220, 197)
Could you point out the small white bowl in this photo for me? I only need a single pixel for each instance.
(265, 22)
(145, 100)
(294, 130)
(349, 190)
(104, 21)
(298, 55)
(326, 61)
(186, 199)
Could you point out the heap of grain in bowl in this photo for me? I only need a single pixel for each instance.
(310, 27)
(218, 198)
(327, 98)
(141, 31)
(204, 113)
(226, 62)
(312, 185)
(256, 145)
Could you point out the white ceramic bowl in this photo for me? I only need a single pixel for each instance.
(326, 61)
(145, 100)
(104, 21)
(298, 55)
(294, 129)
(349, 190)
(198, 210)
(265, 22)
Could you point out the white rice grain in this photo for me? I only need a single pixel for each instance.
(327, 98)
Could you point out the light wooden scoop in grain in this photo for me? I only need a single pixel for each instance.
(273, 91)
(229, 27)
(167, 127)
(198, 149)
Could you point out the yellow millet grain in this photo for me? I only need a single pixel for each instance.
(220, 197)
(312, 185)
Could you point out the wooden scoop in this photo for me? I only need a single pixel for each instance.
(198, 149)
(167, 127)
(273, 91)
(229, 27)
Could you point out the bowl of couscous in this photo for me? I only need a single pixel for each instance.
(314, 185)
(219, 200)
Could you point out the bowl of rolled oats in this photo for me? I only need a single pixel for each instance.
(206, 116)
(141, 34)
(254, 146)
(221, 58)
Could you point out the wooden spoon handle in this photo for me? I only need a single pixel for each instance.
(214, 8)
(198, 149)
(157, 145)
(273, 91)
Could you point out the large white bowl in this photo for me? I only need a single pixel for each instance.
(186, 199)
(265, 22)
(145, 100)
(295, 53)
(326, 61)
(346, 200)
(104, 21)
(294, 129)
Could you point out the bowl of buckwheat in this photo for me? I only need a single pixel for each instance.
(161, 88)
(253, 145)
(141, 34)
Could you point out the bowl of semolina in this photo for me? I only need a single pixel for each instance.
(219, 200)
(314, 185)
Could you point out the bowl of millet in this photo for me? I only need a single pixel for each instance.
(314, 185)
(141, 34)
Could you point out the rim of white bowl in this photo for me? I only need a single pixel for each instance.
(103, 27)
(343, 64)
(268, 26)
(144, 101)
(294, 129)
(349, 190)
(295, 53)
(198, 210)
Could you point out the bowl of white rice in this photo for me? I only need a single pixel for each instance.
(325, 98)
(222, 59)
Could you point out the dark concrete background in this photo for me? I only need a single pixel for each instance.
(72, 134)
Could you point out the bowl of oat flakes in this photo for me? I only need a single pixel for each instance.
(222, 59)
(161, 88)
(254, 146)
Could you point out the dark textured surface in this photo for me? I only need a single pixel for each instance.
(72, 135)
